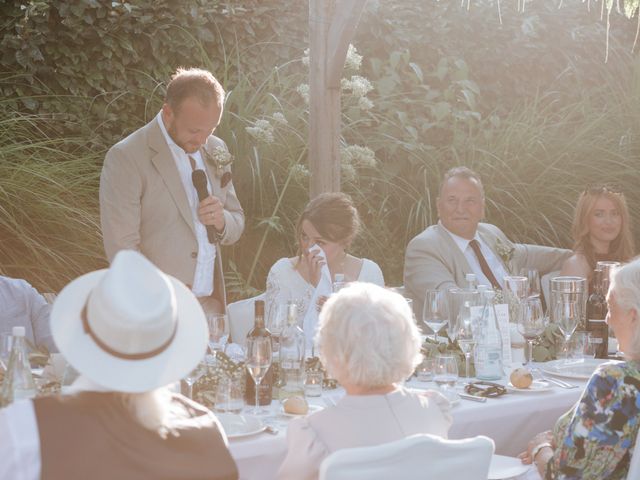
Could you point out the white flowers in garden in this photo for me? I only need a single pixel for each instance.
(262, 130)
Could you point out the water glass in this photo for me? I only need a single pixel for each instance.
(582, 345)
(313, 383)
(424, 371)
(192, 377)
(229, 397)
(446, 375)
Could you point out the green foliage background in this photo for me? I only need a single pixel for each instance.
(528, 102)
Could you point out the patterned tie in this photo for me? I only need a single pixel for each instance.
(484, 265)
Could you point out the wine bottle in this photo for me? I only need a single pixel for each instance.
(597, 314)
(292, 351)
(265, 391)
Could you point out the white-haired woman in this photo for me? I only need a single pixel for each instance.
(596, 438)
(369, 342)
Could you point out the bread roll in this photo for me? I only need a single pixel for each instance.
(521, 378)
(296, 406)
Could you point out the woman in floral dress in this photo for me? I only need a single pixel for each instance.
(595, 440)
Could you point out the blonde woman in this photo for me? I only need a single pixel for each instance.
(601, 231)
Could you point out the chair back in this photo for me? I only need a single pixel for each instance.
(240, 316)
(545, 285)
(634, 464)
(413, 458)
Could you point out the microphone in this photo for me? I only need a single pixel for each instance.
(199, 180)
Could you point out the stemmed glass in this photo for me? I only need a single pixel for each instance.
(532, 323)
(446, 375)
(192, 377)
(567, 316)
(276, 322)
(465, 335)
(217, 337)
(435, 313)
(259, 353)
(534, 281)
(516, 291)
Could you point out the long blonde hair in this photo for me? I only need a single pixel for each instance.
(622, 247)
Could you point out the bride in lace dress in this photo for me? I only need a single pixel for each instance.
(331, 222)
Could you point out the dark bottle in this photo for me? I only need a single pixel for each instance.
(266, 385)
(596, 315)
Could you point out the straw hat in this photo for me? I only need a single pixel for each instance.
(129, 328)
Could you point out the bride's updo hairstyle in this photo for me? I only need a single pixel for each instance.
(334, 216)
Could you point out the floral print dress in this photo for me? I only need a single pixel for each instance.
(595, 440)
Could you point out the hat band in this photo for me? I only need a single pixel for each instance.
(125, 356)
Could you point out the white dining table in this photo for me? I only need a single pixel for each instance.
(510, 420)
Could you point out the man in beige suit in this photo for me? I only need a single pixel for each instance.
(441, 256)
(147, 198)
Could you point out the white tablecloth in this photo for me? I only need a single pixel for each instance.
(511, 421)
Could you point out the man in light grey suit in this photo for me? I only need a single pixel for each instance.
(147, 198)
(442, 255)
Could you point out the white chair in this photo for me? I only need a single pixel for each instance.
(634, 465)
(418, 457)
(240, 316)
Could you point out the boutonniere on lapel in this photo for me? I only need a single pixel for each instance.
(505, 252)
(219, 158)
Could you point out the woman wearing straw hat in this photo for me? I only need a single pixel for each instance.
(130, 331)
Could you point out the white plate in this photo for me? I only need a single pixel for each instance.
(536, 386)
(237, 426)
(312, 408)
(506, 467)
(578, 368)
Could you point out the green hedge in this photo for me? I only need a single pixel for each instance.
(529, 103)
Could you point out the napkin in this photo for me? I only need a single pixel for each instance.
(324, 288)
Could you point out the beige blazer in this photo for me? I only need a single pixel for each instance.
(434, 261)
(143, 205)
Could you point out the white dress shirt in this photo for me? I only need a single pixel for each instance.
(21, 304)
(203, 277)
(493, 261)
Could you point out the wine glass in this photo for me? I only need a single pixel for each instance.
(276, 322)
(465, 335)
(192, 377)
(446, 375)
(532, 323)
(567, 316)
(534, 281)
(516, 289)
(259, 353)
(217, 337)
(435, 313)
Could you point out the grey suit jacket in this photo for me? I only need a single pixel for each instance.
(434, 261)
(143, 205)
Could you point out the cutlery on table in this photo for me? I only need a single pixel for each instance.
(555, 381)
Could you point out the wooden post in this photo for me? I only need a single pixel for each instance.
(332, 24)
